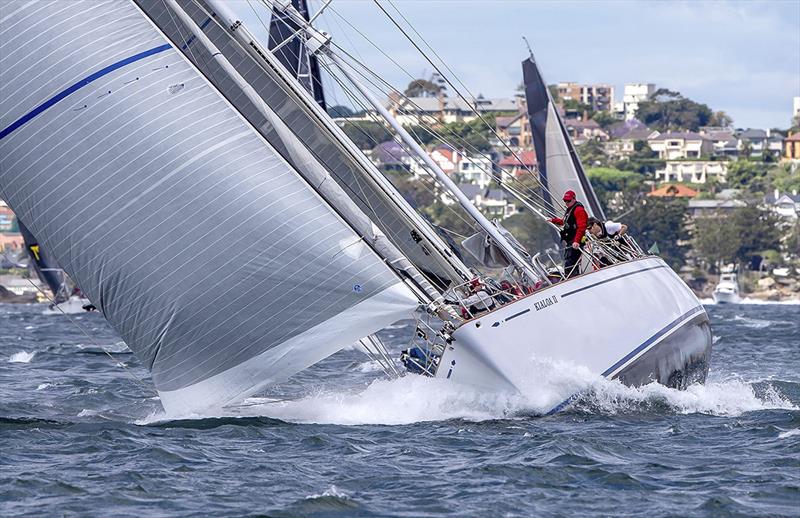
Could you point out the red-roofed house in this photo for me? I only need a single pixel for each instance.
(518, 164)
(673, 191)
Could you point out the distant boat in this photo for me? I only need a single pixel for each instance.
(727, 289)
(66, 297)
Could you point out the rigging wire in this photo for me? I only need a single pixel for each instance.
(450, 83)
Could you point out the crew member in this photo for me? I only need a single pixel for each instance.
(606, 229)
(572, 233)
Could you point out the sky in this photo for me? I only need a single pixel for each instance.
(742, 57)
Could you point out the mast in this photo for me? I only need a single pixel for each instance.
(425, 234)
(294, 55)
(319, 42)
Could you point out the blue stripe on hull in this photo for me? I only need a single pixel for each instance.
(649, 342)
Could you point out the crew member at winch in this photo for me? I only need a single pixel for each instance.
(572, 233)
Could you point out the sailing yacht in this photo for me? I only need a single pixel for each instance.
(66, 297)
(194, 186)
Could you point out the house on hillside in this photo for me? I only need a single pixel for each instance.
(415, 111)
(786, 205)
(493, 202)
(716, 207)
(723, 141)
(514, 131)
(759, 141)
(625, 135)
(518, 165)
(680, 145)
(464, 167)
(791, 146)
(582, 130)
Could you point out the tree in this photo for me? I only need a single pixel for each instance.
(531, 231)
(422, 88)
(667, 110)
(643, 160)
(612, 185)
(661, 221)
(366, 134)
(744, 174)
(714, 240)
(720, 119)
(604, 119)
(592, 153)
(742, 235)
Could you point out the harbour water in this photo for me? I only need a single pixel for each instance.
(82, 433)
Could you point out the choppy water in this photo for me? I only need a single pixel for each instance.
(79, 434)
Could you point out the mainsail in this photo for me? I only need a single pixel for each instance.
(44, 266)
(294, 55)
(140, 178)
(560, 168)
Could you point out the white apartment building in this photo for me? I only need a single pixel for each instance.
(633, 94)
(795, 107)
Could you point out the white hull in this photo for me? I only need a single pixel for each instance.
(71, 306)
(726, 297)
(636, 321)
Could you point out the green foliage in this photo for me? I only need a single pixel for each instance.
(745, 174)
(531, 231)
(422, 88)
(784, 178)
(608, 183)
(592, 153)
(473, 134)
(604, 119)
(661, 221)
(366, 134)
(554, 93)
(668, 110)
(721, 119)
(739, 235)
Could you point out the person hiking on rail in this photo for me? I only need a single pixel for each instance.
(572, 233)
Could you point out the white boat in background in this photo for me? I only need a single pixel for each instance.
(174, 137)
(727, 289)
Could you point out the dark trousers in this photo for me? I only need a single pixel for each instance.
(572, 259)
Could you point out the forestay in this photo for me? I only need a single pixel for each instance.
(560, 168)
(219, 266)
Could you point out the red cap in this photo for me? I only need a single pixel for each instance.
(569, 195)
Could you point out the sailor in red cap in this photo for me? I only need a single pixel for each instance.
(572, 233)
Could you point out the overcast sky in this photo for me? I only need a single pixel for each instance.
(740, 57)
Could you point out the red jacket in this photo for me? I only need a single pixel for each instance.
(581, 220)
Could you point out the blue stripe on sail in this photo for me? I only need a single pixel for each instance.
(77, 86)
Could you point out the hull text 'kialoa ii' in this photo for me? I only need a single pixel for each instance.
(189, 180)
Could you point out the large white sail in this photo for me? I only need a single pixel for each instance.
(140, 178)
(326, 148)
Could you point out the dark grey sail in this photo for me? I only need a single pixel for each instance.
(45, 267)
(560, 167)
(293, 55)
(218, 264)
(280, 98)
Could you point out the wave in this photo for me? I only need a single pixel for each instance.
(754, 302)
(21, 357)
(413, 399)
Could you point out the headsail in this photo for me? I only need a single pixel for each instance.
(326, 148)
(560, 168)
(293, 55)
(140, 178)
(44, 266)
